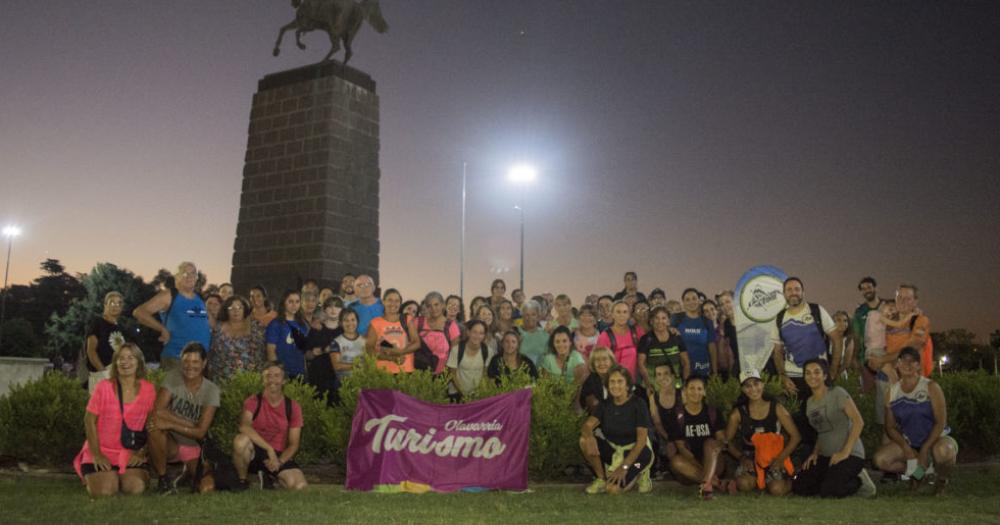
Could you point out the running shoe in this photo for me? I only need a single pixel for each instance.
(597, 486)
(867, 489)
(164, 487)
(645, 483)
(266, 480)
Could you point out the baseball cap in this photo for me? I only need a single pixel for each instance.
(751, 373)
(911, 352)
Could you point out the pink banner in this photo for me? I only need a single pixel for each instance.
(397, 438)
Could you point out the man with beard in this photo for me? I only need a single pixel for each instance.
(347, 288)
(800, 333)
(869, 291)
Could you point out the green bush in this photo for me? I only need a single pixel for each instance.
(555, 422)
(973, 400)
(41, 421)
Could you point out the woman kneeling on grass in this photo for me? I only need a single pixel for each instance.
(621, 456)
(697, 434)
(756, 441)
(835, 469)
(118, 408)
(916, 419)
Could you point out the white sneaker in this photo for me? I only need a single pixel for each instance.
(867, 489)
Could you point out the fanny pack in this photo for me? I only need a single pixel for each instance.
(131, 439)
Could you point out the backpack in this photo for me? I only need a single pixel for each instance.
(482, 351)
(614, 342)
(288, 408)
(213, 459)
(424, 358)
(817, 321)
(926, 353)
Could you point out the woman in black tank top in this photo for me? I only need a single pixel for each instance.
(663, 397)
(756, 412)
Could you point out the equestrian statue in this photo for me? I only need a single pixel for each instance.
(340, 19)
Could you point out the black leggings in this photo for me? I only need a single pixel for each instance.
(641, 462)
(838, 481)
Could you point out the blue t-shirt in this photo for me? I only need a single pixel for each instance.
(697, 333)
(279, 334)
(366, 314)
(187, 321)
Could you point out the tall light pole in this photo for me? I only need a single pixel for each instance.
(522, 175)
(9, 232)
(461, 253)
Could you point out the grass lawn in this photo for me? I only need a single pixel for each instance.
(973, 497)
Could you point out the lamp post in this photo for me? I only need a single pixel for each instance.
(9, 232)
(461, 253)
(521, 175)
(941, 362)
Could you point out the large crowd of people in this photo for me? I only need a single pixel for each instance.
(639, 363)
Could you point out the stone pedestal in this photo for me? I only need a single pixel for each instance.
(309, 205)
(20, 370)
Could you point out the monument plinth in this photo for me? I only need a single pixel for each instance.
(309, 204)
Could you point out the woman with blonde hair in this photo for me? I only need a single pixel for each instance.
(112, 458)
(594, 389)
(104, 334)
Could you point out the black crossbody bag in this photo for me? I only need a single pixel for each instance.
(131, 439)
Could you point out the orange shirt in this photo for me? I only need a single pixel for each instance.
(394, 333)
(897, 338)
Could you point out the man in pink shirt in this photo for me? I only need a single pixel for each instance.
(270, 434)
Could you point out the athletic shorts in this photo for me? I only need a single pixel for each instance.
(260, 456)
(89, 468)
(186, 453)
(642, 462)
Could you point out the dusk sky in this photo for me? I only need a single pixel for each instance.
(687, 141)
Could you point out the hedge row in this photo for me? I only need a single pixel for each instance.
(41, 422)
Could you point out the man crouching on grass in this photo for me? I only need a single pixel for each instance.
(270, 433)
(185, 408)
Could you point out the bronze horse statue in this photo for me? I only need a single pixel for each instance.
(340, 19)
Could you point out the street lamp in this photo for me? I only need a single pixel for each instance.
(941, 362)
(9, 232)
(522, 175)
(461, 253)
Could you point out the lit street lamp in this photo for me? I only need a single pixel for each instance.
(941, 362)
(9, 232)
(522, 175)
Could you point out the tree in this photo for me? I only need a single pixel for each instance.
(960, 347)
(49, 294)
(65, 332)
(19, 339)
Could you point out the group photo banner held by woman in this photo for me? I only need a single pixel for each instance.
(399, 442)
